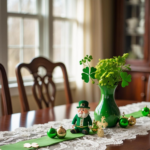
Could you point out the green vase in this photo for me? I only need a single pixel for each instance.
(107, 106)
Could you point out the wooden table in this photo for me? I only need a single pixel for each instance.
(58, 113)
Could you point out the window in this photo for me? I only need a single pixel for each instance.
(64, 33)
(39, 27)
(23, 33)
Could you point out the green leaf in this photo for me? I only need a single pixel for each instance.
(86, 70)
(124, 83)
(127, 67)
(92, 72)
(90, 57)
(85, 74)
(93, 82)
(125, 78)
(80, 62)
(84, 60)
(85, 77)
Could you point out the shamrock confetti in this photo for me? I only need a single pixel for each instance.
(28, 145)
(35, 145)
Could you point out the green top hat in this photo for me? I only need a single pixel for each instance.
(83, 104)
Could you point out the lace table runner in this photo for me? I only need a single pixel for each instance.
(112, 135)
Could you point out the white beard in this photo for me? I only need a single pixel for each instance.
(83, 115)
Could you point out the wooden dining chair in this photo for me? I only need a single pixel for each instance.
(40, 83)
(6, 100)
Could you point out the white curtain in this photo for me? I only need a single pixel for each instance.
(90, 43)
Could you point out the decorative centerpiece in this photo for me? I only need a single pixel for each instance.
(108, 73)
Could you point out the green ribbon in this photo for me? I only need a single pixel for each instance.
(46, 141)
(136, 114)
(42, 142)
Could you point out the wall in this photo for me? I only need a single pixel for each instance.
(108, 27)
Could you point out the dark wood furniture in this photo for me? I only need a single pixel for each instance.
(6, 100)
(67, 111)
(41, 83)
(137, 89)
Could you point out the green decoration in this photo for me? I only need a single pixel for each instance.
(88, 72)
(85, 74)
(123, 122)
(92, 72)
(81, 123)
(136, 114)
(125, 79)
(145, 111)
(107, 106)
(51, 132)
(83, 104)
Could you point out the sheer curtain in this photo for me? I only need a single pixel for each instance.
(90, 43)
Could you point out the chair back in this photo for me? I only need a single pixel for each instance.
(41, 83)
(6, 100)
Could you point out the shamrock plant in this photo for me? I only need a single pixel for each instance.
(88, 72)
(107, 71)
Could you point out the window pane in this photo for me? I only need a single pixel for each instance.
(28, 55)
(58, 33)
(28, 6)
(13, 60)
(58, 54)
(64, 43)
(13, 31)
(64, 8)
(13, 5)
(59, 8)
(62, 34)
(30, 31)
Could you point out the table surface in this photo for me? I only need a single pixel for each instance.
(58, 113)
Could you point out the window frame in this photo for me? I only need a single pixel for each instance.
(46, 19)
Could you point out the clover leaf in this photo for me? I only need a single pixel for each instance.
(125, 78)
(92, 72)
(86, 75)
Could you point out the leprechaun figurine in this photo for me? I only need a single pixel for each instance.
(82, 121)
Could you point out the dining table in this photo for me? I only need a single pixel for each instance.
(68, 111)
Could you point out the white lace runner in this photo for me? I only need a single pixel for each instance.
(114, 135)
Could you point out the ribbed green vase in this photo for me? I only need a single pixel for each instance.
(107, 106)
